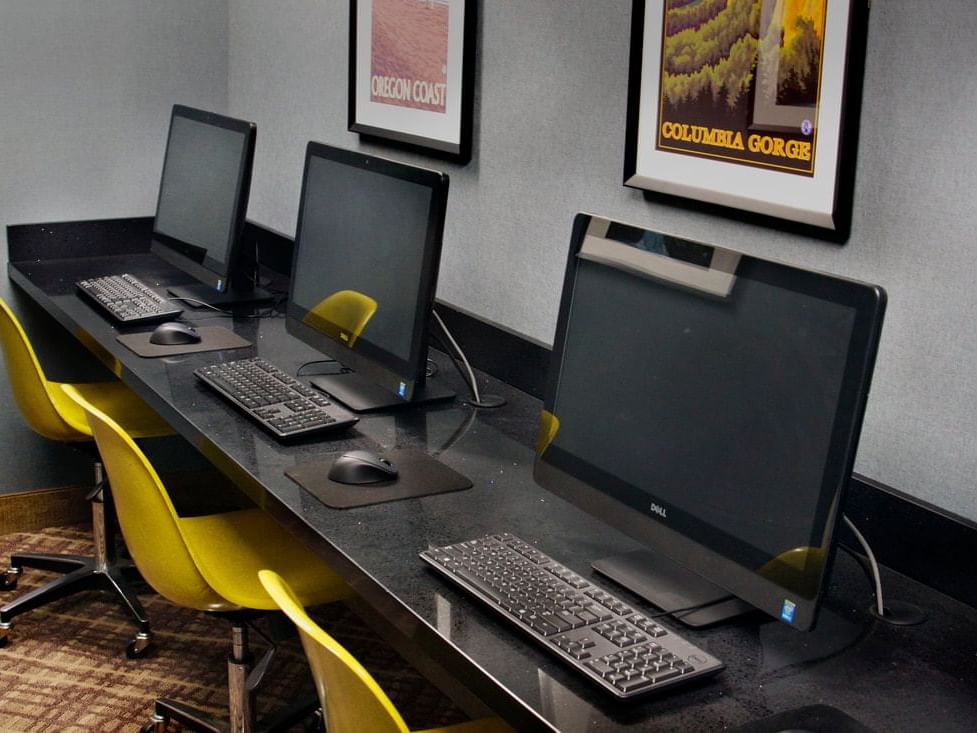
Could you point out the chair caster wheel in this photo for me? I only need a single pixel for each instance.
(156, 724)
(315, 723)
(8, 581)
(4, 631)
(140, 647)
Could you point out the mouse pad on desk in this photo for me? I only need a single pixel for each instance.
(418, 475)
(212, 338)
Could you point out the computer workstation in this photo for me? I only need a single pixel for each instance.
(708, 404)
(598, 411)
(200, 211)
(704, 401)
(376, 547)
(363, 280)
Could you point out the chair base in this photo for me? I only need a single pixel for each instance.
(242, 681)
(190, 718)
(103, 571)
(81, 573)
(197, 720)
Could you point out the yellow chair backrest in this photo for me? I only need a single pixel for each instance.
(148, 520)
(36, 397)
(342, 315)
(350, 697)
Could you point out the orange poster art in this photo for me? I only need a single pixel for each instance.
(741, 81)
(410, 54)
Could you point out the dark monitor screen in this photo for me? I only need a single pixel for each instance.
(203, 194)
(709, 404)
(364, 271)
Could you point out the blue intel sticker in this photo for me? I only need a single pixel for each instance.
(787, 611)
(402, 390)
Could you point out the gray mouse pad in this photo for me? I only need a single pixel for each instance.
(418, 475)
(212, 338)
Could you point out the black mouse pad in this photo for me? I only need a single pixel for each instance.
(809, 719)
(418, 475)
(212, 338)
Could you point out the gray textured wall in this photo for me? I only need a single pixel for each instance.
(85, 93)
(550, 131)
(85, 88)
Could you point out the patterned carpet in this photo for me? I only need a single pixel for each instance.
(64, 668)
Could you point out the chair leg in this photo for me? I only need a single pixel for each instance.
(186, 716)
(240, 697)
(46, 561)
(103, 571)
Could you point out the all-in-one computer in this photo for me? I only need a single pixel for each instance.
(364, 273)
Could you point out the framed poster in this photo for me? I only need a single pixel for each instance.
(741, 103)
(411, 73)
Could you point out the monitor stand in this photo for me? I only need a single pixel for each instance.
(200, 295)
(668, 585)
(362, 395)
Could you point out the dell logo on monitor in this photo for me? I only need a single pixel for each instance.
(659, 510)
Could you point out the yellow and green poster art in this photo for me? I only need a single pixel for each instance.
(741, 80)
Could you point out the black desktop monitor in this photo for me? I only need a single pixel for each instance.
(364, 273)
(203, 198)
(707, 403)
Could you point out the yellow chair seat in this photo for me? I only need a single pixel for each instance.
(351, 699)
(137, 418)
(230, 549)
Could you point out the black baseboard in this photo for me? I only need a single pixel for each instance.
(273, 249)
(914, 538)
(493, 349)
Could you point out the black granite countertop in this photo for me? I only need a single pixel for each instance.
(885, 677)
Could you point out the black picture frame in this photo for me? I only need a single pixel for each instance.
(423, 109)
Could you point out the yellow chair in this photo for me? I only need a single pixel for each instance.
(351, 699)
(209, 563)
(342, 316)
(48, 411)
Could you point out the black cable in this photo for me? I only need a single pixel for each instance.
(454, 360)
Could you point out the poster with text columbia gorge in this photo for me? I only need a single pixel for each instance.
(409, 61)
(741, 81)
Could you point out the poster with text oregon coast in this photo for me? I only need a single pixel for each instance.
(741, 81)
(409, 65)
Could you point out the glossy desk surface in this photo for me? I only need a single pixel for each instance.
(887, 678)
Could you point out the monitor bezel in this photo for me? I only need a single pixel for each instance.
(404, 379)
(551, 472)
(211, 272)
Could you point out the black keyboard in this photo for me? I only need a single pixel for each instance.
(622, 650)
(128, 300)
(278, 402)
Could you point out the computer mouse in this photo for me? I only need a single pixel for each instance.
(174, 333)
(362, 467)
